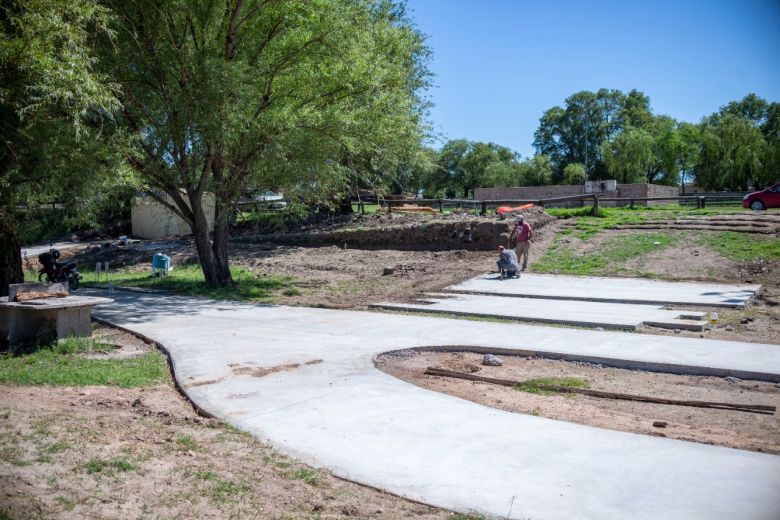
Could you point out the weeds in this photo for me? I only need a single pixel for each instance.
(106, 466)
(537, 386)
(307, 475)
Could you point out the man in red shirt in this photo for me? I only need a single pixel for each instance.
(523, 233)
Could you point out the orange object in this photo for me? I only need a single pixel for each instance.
(508, 209)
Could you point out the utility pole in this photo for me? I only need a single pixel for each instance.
(586, 149)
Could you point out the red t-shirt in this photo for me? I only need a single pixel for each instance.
(523, 231)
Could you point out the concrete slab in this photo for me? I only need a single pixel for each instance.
(617, 290)
(335, 410)
(566, 312)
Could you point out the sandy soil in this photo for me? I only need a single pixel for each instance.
(710, 426)
(105, 452)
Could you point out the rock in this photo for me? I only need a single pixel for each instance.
(660, 424)
(599, 328)
(729, 328)
(732, 379)
(387, 271)
(677, 331)
(744, 321)
(491, 361)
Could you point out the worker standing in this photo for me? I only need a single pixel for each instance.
(523, 232)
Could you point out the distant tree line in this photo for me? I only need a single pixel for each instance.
(612, 135)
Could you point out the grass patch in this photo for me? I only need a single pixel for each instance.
(370, 209)
(226, 490)
(66, 504)
(536, 386)
(186, 442)
(188, 280)
(587, 226)
(561, 257)
(307, 475)
(743, 247)
(49, 366)
(108, 465)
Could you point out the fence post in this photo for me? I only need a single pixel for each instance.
(703, 202)
(632, 204)
(483, 211)
(595, 210)
(362, 208)
(389, 207)
(441, 206)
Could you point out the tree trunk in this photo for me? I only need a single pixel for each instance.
(201, 233)
(220, 246)
(10, 252)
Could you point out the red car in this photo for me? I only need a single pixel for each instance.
(768, 198)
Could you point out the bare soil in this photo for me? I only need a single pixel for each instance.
(734, 429)
(106, 452)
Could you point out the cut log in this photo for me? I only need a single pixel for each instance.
(754, 408)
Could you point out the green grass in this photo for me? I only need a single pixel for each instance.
(307, 475)
(108, 465)
(226, 490)
(562, 258)
(535, 386)
(186, 442)
(188, 280)
(55, 365)
(587, 226)
(370, 209)
(743, 247)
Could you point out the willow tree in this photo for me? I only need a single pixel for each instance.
(226, 95)
(53, 104)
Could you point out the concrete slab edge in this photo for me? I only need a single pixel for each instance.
(553, 321)
(628, 364)
(601, 300)
(171, 365)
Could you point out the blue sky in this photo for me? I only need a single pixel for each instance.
(499, 64)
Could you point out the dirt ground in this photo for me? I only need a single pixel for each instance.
(734, 429)
(106, 452)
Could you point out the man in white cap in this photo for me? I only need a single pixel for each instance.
(523, 232)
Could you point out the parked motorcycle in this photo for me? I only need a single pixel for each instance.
(55, 271)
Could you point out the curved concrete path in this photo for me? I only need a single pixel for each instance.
(327, 405)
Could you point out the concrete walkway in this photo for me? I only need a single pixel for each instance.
(615, 290)
(623, 316)
(327, 405)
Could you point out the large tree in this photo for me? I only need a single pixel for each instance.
(739, 146)
(576, 132)
(54, 112)
(224, 95)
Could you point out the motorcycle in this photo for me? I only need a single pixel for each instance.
(55, 271)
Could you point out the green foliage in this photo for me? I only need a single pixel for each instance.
(536, 386)
(188, 280)
(576, 133)
(742, 247)
(48, 366)
(59, 141)
(312, 98)
(734, 149)
(574, 173)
